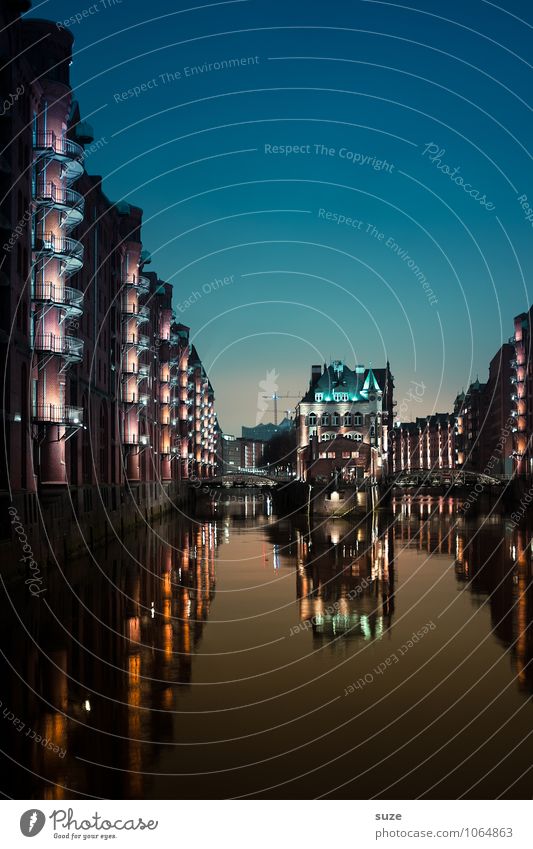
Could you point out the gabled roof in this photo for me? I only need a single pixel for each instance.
(338, 377)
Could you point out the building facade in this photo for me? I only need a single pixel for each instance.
(522, 395)
(425, 444)
(102, 387)
(343, 423)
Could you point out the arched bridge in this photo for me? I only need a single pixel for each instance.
(441, 477)
(236, 479)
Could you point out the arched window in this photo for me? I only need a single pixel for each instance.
(347, 419)
(358, 419)
(325, 419)
(312, 420)
(335, 419)
(355, 435)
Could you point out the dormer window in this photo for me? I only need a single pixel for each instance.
(340, 396)
(319, 396)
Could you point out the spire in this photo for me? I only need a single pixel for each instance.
(371, 383)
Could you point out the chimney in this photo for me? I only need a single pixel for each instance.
(316, 373)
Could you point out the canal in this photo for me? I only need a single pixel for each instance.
(239, 654)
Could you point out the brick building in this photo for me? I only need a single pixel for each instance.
(98, 373)
(522, 394)
(427, 443)
(343, 422)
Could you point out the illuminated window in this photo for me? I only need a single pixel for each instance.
(319, 396)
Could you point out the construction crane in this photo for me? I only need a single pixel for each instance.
(275, 397)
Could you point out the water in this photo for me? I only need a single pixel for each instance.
(244, 655)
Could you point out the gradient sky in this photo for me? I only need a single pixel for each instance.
(376, 78)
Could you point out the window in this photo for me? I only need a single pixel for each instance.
(335, 419)
(325, 437)
(347, 419)
(355, 454)
(325, 419)
(322, 455)
(331, 455)
(319, 396)
(340, 396)
(312, 420)
(358, 419)
(357, 437)
(345, 455)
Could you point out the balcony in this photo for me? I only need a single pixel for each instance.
(136, 340)
(138, 282)
(61, 414)
(69, 153)
(68, 347)
(68, 250)
(71, 203)
(144, 372)
(133, 310)
(130, 439)
(62, 297)
(129, 396)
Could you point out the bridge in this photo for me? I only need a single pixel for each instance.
(246, 478)
(442, 478)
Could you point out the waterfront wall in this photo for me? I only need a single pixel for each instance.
(68, 522)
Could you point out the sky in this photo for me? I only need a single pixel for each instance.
(344, 180)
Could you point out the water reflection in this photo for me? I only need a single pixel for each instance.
(104, 664)
(345, 578)
(492, 560)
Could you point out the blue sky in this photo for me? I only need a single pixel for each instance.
(361, 89)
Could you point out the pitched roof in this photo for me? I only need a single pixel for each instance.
(338, 377)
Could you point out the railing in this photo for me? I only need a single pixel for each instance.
(60, 245)
(137, 339)
(59, 145)
(67, 346)
(51, 193)
(144, 372)
(133, 310)
(58, 414)
(137, 281)
(58, 294)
